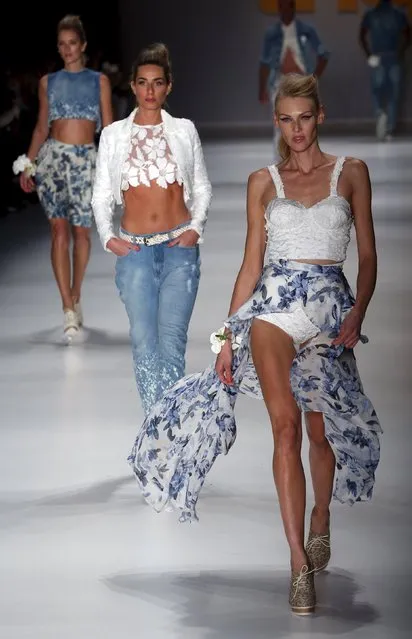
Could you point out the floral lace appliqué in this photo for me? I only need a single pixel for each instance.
(150, 159)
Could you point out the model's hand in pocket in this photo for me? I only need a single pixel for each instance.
(121, 247)
(188, 239)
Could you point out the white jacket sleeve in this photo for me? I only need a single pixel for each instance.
(202, 189)
(103, 197)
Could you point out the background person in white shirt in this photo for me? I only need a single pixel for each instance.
(289, 46)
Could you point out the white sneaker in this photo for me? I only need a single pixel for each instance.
(79, 312)
(381, 125)
(70, 323)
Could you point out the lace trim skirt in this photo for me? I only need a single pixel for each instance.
(194, 422)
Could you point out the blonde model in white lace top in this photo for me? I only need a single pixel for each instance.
(300, 214)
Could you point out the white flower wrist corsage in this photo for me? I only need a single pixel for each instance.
(24, 164)
(218, 338)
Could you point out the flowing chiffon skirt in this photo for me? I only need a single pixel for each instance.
(195, 420)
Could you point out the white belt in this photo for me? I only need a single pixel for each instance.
(157, 238)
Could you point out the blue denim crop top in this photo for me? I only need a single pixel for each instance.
(74, 95)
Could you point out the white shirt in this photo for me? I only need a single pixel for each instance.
(290, 41)
(114, 145)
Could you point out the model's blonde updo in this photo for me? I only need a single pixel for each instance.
(72, 23)
(295, 85)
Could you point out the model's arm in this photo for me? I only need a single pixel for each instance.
(103, 203)
(363, 35)
(252, 263)
(40, 133)
(358, 174)
(106, 107)
(41, 130)
(103, 198)
(264, 71)
(201, 196)
(264, 66)
(320, 50)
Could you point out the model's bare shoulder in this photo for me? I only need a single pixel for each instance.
(356, 174)
(356, 168)
(43, 81)
(105, 82)
(259, 180)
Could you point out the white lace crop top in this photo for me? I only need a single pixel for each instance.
(297, 232)
(150, 158)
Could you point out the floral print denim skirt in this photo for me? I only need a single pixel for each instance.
(195, 421)
(64, 181)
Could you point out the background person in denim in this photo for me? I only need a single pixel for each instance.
(289, 46)
(384, 36)
(73, 103)
(152, 164)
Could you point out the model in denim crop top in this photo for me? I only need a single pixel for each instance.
(74, 95)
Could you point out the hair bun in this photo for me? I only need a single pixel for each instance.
(160, 50)
(72, 22)
(156, 54)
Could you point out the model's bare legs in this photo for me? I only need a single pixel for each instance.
(60, 258)
(322, 468)
(273, 353)
(81, 255)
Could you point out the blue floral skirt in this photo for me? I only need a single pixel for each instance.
(194, 421)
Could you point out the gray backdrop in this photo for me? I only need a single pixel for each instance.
(215, 47)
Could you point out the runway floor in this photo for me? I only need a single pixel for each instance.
(82, 557)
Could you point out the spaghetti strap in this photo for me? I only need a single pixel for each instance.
(337, 170)
(274, 172)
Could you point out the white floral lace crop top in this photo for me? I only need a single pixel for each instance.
(297, 232)
(150, 159)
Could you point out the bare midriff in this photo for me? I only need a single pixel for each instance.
(73, 131)
(289, 64)
(153, 209)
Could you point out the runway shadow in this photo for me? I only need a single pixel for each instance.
(102, 497)
(87, 337)
(249, 604)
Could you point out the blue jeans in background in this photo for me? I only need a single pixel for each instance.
(158, 286)
(386, 89)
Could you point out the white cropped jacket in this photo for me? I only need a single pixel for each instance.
(185, 145)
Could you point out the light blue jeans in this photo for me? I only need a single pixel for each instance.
(386, 89)
(158, 286)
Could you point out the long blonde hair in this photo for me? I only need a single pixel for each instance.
(295, 85)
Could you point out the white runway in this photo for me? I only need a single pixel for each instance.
(82, 557)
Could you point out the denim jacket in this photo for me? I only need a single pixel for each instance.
(309, 43)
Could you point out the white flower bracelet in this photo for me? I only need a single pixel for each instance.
(218, 338)
(23, 164)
